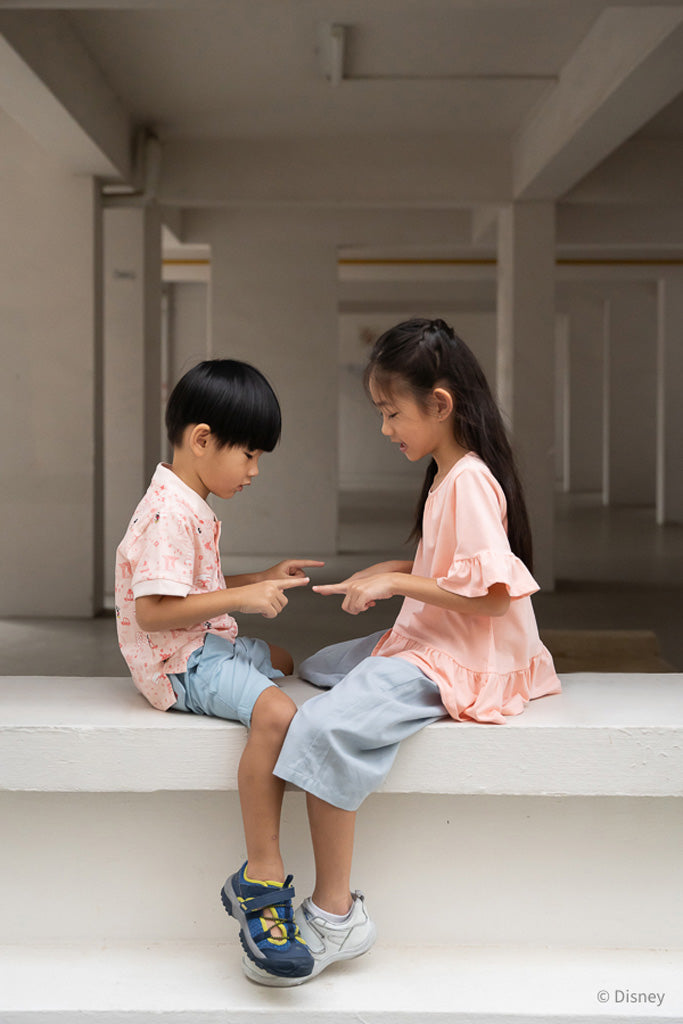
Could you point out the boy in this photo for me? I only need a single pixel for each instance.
(180, 642)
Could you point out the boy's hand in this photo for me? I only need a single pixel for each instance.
(289, 567)
(267, 598)
(361, 593)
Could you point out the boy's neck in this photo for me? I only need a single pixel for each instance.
(183, 467)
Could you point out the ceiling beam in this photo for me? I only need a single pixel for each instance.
(642, 172)
(628, 67)
(53, 88)
(359, 172)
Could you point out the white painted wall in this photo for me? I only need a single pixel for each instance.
(188, 326)
(50, 545)
(523, 871)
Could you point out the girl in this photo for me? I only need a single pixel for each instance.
(465, 642)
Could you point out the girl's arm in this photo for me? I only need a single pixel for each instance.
(282, 571)
(380, 567)
(156, 612)
(361, 594)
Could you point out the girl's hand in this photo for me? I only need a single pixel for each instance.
(288, 568)
(361, 592)
(268, 597)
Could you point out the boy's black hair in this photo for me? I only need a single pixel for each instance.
(233, 398)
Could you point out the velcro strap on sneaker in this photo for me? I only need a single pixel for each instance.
(268, 898)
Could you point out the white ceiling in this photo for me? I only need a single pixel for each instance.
(249, 68)
(444, 104)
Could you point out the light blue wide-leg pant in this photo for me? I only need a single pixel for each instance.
(342, 743)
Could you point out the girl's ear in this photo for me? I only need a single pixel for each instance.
(198, 438)
(444, 403)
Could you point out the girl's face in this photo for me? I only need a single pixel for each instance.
(416, 430)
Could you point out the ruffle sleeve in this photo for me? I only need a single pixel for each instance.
(481, 554)
(472, 577)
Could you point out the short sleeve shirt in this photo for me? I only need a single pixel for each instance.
(171, 547)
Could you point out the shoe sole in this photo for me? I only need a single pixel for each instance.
(262, 977)
(235, 911)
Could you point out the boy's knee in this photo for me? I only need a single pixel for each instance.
(273, 712)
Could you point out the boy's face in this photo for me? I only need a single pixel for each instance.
(225, 471)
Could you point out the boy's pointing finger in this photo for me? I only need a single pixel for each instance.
(292, 581)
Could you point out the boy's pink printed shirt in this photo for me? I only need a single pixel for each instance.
(170, 547)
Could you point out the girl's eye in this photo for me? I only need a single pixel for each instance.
(249, 455)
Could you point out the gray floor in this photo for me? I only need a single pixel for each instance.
(616, 569)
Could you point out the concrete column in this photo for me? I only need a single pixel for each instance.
(526, 354)
(132, 365)
(50, 542)
(606, 401)
(669, 406)
(586, 318)
(562, 403)
(274, 304)
(632, 402)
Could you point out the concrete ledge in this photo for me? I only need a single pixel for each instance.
(203, 984)
(606, 734)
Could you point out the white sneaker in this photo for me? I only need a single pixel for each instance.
(330, 942)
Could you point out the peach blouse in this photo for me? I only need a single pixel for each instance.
(485, 667)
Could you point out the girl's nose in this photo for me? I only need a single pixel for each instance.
(386, 429)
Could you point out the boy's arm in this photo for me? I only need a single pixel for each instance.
(290, 567)
(156, 612)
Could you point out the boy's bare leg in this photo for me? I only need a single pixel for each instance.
(260, 791)
(332, 833)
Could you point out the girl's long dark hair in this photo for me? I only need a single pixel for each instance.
(421, 355)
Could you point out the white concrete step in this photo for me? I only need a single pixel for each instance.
(188, 983)
(608, 735)
(533, 842)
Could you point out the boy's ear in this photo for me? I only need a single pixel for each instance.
(198, 438)
(444, 403)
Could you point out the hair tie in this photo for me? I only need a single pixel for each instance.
(441, 325)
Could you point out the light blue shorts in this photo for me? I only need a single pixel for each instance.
(341, 744)
(223, 679)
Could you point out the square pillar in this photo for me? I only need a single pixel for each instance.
(669, 406)
(274, 304)
(132, 365)
(526, 360)
(632, 395)
(50, 416)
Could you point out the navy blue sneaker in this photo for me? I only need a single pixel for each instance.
(281, 958)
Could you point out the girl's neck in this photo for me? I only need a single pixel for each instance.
(446, 456)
